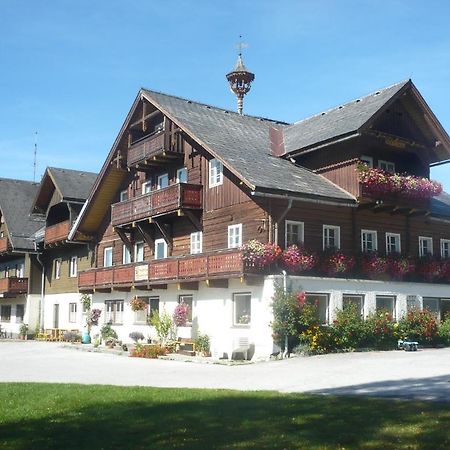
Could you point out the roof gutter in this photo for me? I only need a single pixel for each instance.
(439, 163)
(316, 201)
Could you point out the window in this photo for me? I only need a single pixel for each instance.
(142, 317)
(425, 246)
(123, 195)
(5, 313)
(369, 241)
(72, 312)
(182, 175)
(57, 269)
(114, 312)
(331, 237)
(412, 302)
(146, 186)
(235, 235)
(440, 307)
(160, 249)
(242, 309)
(321, 302)
(386, 303)
(126, 255)
(108, 257)
(393, 243)
(187, 300)
(356, 300)
(445, 248)
(386, 166)
(20, 312)
(20, 270)
(294, 233)
(139, 251)
(367, 160)
(196, 242)
(73, 266)
(215, 173)
(163, 181)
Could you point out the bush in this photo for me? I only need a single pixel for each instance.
(151, 351)
(181, 314)
(72, 336)
(136, 336)
(202, 343)
(349, 328)
(419, 326)
(108, 332)
(163, 325)
(381, 331)
(320, 339)
(444, 331)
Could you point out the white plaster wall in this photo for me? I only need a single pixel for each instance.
(12, 326)
(63, 301)
(32, 311)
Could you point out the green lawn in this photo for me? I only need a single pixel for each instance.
(68, 416)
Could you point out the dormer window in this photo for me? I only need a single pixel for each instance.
(387, 166)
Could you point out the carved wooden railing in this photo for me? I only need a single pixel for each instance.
(13, 285)
(166, 200)
(57, 233)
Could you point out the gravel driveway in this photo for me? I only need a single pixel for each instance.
(424, 374)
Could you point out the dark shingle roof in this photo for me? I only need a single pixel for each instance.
(73, 184)
(337, 122)
(440, 205)
(242, 143)
(16, 198)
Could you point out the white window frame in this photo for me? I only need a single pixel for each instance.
(126, 255)
(58, 264)
(137, 246)
(106, 251)
(73, 266)
(360, 297)
(367, 160)
(146, 187)
(123, 195)
(72, 312)
(196, 242)
(443, 251)
(394, 304)
(215, 173)
(337, 229)
(114, 311)
(160, 177)
(422, 240)
(388, 165)
(236, 297)
(302, 231)
(374, 240)
(141, 317)
(308, 298)
(233, 231)
(399, 242)
(181, 171)
(160, 241)
(20, 270)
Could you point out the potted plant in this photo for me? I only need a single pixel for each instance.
(202, 345)
(23, 331)
(92, 317)
(138, 304)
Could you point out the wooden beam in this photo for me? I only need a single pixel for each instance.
(158, 286)
(122, 288)
(188, 285)
(220, 283)
(165, 233)
(145, 231)
(191, 216)
(123, 237)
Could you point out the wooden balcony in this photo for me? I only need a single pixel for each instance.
(5, 245)
(13, 286)
(219, 265)
(156, 203)
(155, 148)
(57, 233)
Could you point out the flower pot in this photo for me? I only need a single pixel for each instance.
(86, 338)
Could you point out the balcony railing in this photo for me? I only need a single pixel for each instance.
(162, 201)
(156, 144)
(13, 285)
(57, 233)
(189, 268)
(4, 245)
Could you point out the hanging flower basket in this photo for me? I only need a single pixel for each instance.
(297, 259)
(137, 304)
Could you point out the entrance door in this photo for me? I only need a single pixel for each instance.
(56, 316)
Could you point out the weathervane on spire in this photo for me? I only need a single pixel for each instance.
(240, 79)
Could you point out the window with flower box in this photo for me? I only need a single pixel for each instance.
(425, 246)
(321, 301)
(331, 237)
(393, 243)
(114, 312)
(294, 233)
(242, 309)
(387, 166)
(369, 241)
(445, 248)
(386, 303)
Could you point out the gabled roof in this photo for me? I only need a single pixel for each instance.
(16, 197)
(353, 117)
(71, 185)
(242, 144)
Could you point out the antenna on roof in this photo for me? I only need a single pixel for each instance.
(35, 156)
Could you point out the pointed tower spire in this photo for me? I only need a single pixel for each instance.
(240, 79)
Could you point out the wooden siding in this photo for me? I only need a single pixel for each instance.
(4, 245)
(13, 286)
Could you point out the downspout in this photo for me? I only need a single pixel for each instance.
(41, 263)
(286, 341)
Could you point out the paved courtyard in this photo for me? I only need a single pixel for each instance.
(420, 375)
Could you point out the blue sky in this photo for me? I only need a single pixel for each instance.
(71, 69)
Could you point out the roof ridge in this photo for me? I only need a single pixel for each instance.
(71, 170)
(281, 122)
(355, 100)
(16, 180)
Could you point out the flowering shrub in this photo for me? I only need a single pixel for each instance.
(380, 182)
(419, 326)
(136, 336)
(181, 314)
(148, 351)
(381, 331)
(320, 339)
(399, 266)
(445, 270)
(257, 254)
(138, 304)
(429, 268)
(297, 259)
(350, 328)
(444, 331)
(372, 264)
(337, 263)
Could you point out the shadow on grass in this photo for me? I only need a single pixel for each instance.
(41, 416)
